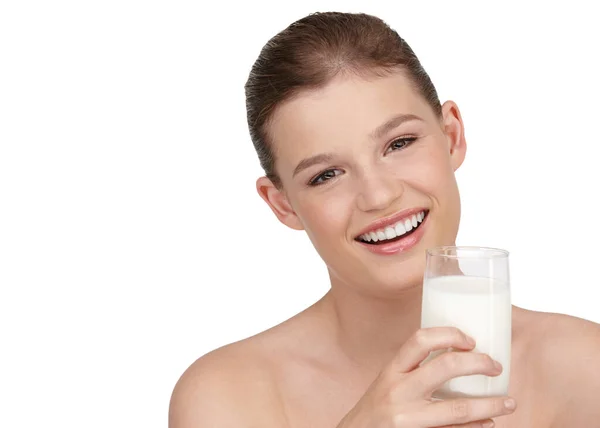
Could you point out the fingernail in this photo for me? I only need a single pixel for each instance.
(510, 404)
(470, 340)
(489, 424)
(497, 365)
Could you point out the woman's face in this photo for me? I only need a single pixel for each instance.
(361, 162)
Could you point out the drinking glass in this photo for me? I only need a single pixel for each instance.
(469, 288)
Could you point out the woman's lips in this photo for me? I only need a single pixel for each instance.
(401, 216)
(405, 243)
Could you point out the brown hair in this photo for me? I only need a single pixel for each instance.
(309, 53)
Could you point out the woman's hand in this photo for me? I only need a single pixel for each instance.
(400, 397)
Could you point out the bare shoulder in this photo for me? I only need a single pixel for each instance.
(238, 385)
(554, 323)
(565, 351)
(558, 340)
(561, 336)
(231, 386)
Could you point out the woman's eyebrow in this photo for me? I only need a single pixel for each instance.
(313, 160)
(392, 123)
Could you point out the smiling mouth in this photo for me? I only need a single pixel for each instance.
(394, 232)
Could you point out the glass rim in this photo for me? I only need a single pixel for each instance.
(472, 251)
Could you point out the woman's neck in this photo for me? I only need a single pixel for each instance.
(370, 330)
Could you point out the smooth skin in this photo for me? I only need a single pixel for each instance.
(353, 359)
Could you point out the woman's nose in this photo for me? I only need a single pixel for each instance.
(378, 192)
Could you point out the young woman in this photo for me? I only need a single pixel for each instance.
(352, 137)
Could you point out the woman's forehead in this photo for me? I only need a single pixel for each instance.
(347, 108)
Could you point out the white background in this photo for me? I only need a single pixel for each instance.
(131, 237)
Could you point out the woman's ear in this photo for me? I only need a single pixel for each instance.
(455, 133)
(278, 202)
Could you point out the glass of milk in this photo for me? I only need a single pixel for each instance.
(468, 288)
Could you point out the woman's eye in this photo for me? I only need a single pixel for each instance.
(401, 143)
(324, 176)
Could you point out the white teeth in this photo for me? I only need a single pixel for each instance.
(393, 231)
(390, 233)
(400, 229)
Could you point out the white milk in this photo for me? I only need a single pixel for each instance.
(481, 308)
